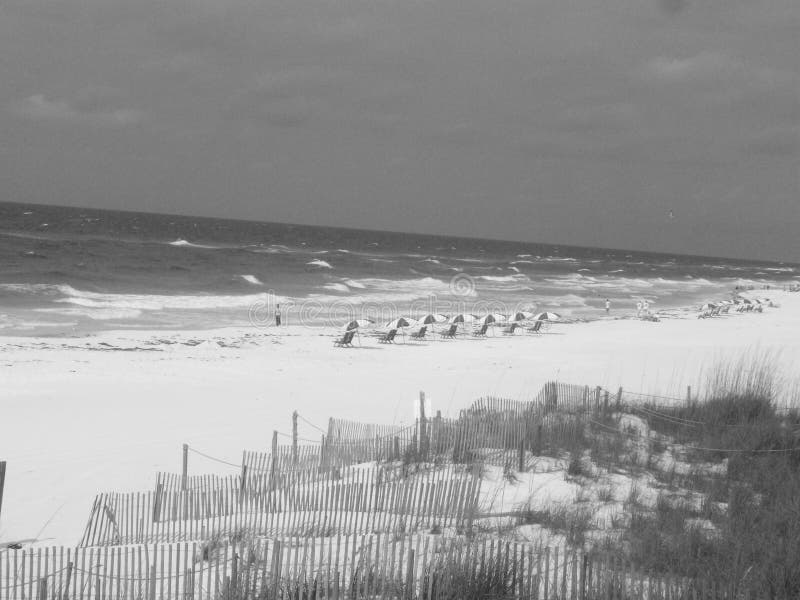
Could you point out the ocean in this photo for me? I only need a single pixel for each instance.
(72, 271)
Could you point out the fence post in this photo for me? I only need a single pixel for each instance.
(274, 459)
(396, 448)
(243, 483)
(597, 399)
(65, 591)
(322, 454)
(605, 403)
(157, 502)
(185, 467)
(42, 595)
(521, 457)
(423, 427)
(276, 567)
(294, 438)
(151, 591)
(2, 483)
(410, 576)
(619, 398)
(688, 394)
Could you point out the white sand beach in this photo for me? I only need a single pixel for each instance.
(105, 413)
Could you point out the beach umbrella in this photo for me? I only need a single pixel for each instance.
(400, 323)
(708, 306)
(463, 318)
(432, 318)
(357, 323)
(522, 316)
(746, 301)
(547, 316)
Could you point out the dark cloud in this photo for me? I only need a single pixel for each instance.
(502, 120)
(672, 7)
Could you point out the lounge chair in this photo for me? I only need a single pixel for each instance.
(420, 335)
(482, 331)
(388, 337)
(510, 329)
(346, 340)
(451, 331)
(537, 328)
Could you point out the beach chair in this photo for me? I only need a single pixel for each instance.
(346, 340)
(511, 329)
(420, 335)
(451, 331)
(537, 328)
(482, 331)
(388, 337)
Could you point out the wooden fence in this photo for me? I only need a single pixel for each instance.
(360, 501)
(401, 567)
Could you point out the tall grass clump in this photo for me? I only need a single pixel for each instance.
(754, 543)
(473, 578)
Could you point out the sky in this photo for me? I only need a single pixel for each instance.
(657, 125)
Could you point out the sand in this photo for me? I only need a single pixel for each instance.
(104, 413)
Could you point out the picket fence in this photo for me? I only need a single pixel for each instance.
(362, 501)
(402, 567)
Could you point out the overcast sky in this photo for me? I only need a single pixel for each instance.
(565, 121)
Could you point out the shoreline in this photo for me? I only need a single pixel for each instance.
(67, 330)
(90, 418)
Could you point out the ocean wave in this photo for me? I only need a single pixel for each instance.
(354, 284)
(185, 244)
(503, 278)
(86, 299)
(251, 279)
(96, 314)
(566, 300)
(320, 263)
(373, 289)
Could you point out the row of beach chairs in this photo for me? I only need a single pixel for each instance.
(450, 333)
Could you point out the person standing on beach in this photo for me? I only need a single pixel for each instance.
(278, 315)
(608, 305)
(646, 307)
(639, 308)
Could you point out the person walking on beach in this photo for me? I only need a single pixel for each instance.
(639, 309)
(608, 305)
(646, 307)
(278, 315)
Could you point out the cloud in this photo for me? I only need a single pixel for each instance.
(85, 108)
(672, 7)
(701, 66)
(775, 143)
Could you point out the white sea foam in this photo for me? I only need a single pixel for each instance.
(87, 299)
(184, 243)
(96, 314)
(387, 290)
(319, 263)
(354, 284)
(336, 287)
(251, 279)
(503, 278)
